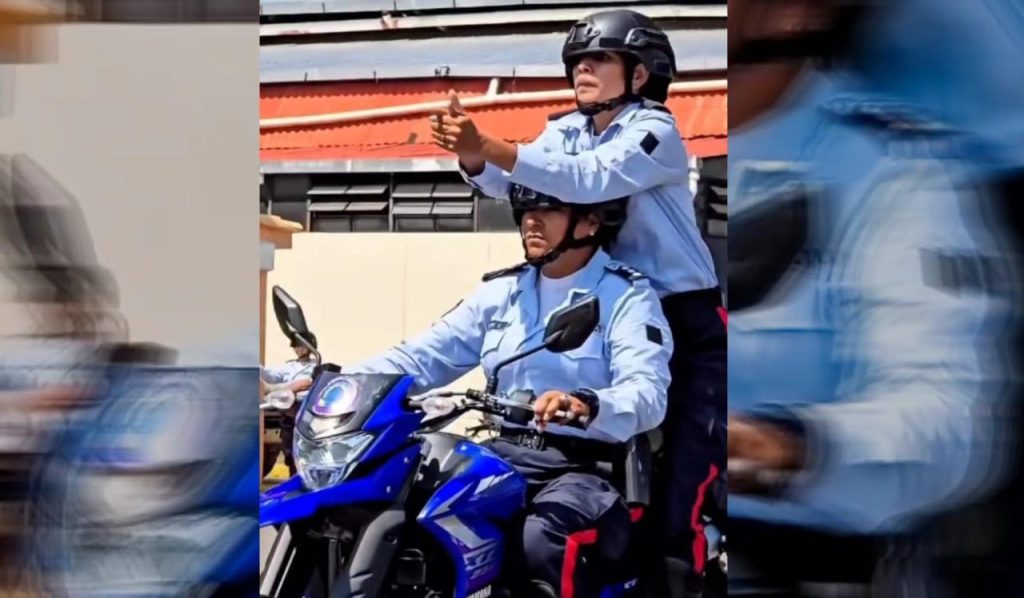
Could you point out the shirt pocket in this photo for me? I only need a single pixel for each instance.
(490, 353)
(588, 365)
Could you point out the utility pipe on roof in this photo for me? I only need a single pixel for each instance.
(530, 97)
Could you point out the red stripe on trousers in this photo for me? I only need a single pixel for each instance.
(724, 315)
(572, 548)
(700, 543)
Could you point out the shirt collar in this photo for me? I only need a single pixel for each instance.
(618, 121)
(585, 284)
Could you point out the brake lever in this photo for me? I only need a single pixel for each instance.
(572, 420)
(431, 394)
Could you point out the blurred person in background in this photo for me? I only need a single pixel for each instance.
(36, 384)
(297, 376)
(58, 306)
(874, 264)
(293, 371)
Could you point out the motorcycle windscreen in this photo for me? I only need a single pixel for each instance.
(342, 403)
(763, 241)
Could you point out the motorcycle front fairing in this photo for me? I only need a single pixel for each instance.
(339, 405)
(469, 494)
(291, 501)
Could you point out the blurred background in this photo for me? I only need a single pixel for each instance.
(876, 175)
(128, 342)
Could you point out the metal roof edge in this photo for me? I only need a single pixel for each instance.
(486, 71)
(359, 165)
(498, 17)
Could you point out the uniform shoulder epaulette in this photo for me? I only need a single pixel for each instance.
(560, 114)
(652, 105)
(506, 272)
(628, 272)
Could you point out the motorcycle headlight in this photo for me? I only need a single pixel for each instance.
(323, 463)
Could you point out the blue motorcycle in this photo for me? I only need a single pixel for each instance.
(387, 504)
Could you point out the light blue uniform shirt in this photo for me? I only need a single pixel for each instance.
(291, 371)
(624, 361)
(884, 336)
(640, 156)
(961, 61)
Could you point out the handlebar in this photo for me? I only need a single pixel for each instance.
(495, 405)
(282, 399)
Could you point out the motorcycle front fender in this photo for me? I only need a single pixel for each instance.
(290, 568)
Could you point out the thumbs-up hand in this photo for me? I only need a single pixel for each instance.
(454, 130)
(454, 105)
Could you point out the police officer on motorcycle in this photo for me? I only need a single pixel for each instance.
(616, 381)
(293, 370)
(622, 141)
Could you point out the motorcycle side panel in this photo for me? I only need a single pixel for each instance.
(290, 501)
(481, 492)
(391, 422)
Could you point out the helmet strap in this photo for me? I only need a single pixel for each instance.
(595, 108)
(569, 241)
(627, 97)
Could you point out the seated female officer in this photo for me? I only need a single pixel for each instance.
(617, 378)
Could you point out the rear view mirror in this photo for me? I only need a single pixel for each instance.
(289, 314)
(570, 326)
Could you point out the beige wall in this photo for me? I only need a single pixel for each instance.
(362, 293)
(153, 129)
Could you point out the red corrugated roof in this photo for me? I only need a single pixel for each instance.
(702, 118)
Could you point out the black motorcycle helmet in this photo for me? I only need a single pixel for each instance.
(611, 215)
(633, 36)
